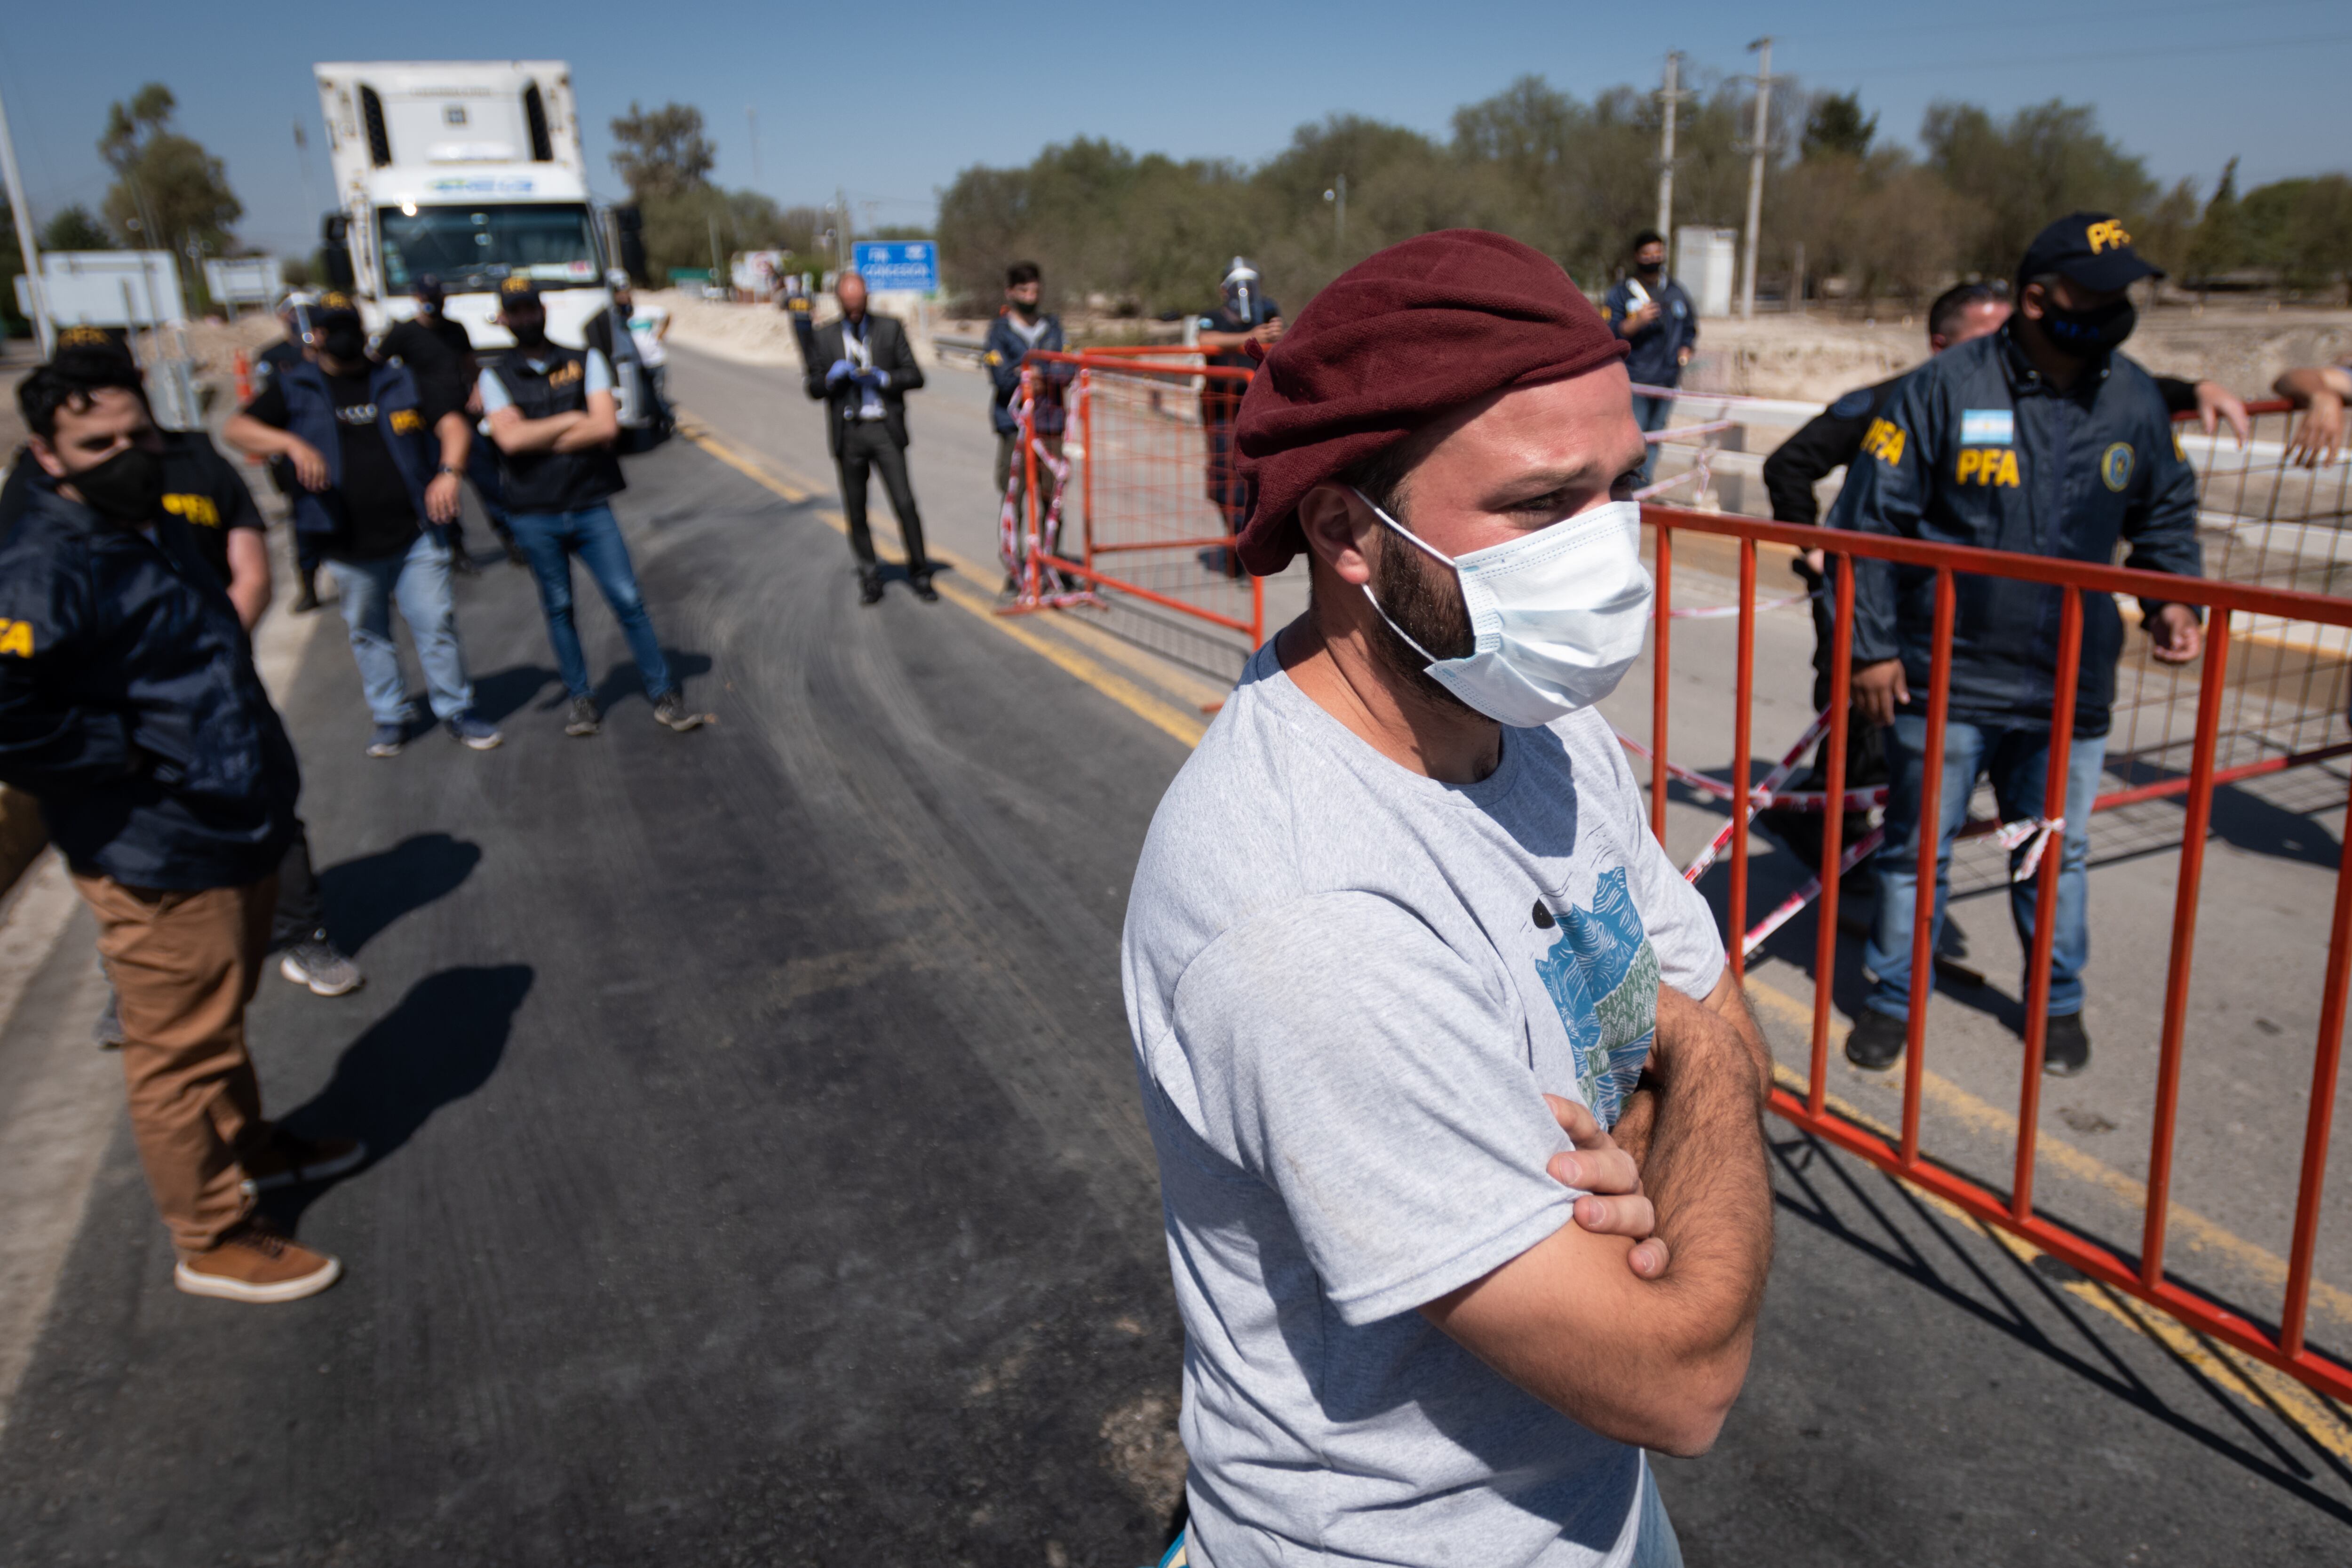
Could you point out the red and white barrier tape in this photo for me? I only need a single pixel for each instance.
(1783, 799)
(1717, 611)
(1772, 780)
(1786, 910)
(1019, 548)
(2034, 831)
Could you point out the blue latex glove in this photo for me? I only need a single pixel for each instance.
(842, 369)
(877, 379)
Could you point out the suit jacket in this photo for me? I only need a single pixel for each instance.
(892, 354)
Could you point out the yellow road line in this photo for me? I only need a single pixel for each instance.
(2257, 1382)
(2250, 1380)
(1164, 716)
(2193, 1229)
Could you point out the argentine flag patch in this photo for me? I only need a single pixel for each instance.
(1987, 427)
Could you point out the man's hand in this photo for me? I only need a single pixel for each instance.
(1268, 333)
(1614, 1204)
(309, 467)
(2216, 403)
(1682, 356)
(1640, 320)
(840, 369)
(1878, 690)
(2177, 638)
(441, 498)
(2321, 436)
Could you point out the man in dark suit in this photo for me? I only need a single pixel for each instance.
(862, 370)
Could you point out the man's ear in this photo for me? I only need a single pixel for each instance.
(47, 455)
(1338, 526)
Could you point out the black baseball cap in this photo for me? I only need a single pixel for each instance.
(332, 305)
(2089, 248)
(430, 287)
(519, 293)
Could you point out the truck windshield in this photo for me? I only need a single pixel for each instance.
(471, 247)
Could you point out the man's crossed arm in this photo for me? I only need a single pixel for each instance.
(1641, 1338)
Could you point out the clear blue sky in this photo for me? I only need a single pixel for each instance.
(891, 108)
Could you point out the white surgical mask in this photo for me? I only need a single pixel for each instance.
(1560, 615)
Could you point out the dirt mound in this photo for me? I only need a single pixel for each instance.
(1815, 358)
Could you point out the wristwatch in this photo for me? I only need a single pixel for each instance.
(443, 468)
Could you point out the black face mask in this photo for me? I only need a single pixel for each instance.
(1026, 308)
(1649, 269)
(530, 333)
(2086, 334)
(126, 488)
(344, 342)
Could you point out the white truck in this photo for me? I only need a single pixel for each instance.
(471, 170)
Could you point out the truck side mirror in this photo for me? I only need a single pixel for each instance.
(631, 218)
(633, 254)
(335, 251)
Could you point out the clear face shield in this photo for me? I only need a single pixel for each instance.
(1241, 292)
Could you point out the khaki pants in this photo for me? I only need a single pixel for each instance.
(1011, 468)
(184, 966)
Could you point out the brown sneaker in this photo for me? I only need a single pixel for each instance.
(254, 1263)
(281, 1159)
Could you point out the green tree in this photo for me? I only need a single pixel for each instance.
(2219, 245)
(168, 193)
(1836, 127)
(73, 229)
(2016, 177)
(663, 151)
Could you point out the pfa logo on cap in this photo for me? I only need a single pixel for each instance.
(517, 284)
(2106, 236)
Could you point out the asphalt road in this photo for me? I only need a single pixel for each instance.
(756, 1176)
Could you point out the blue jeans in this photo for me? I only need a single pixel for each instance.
(419, 582)
(2019, 764)
(1651, 413)
(551, 539)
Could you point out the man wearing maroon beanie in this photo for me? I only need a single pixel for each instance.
(1457, 1109)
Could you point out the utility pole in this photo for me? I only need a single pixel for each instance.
(1338, 196)
(751, 119)
(1668, 98)
(1756, 170)
(847, 230)
(23, 212)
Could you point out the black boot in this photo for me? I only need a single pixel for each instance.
(308, 599)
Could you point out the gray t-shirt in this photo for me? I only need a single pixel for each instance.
(1350, 986)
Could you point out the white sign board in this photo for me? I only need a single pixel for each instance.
(1703, 267)
(242, 280)
(110, 288)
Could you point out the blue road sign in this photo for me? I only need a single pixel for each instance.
(908, 265)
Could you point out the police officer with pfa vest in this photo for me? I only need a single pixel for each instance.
(131, 710)
(377, 491)
(2041, 439)
(554, 419)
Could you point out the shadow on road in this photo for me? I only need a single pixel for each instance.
(2035, 1305)
(441, 1044)
(500, 696)
(364, 894)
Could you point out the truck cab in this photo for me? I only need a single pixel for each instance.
(469, 170)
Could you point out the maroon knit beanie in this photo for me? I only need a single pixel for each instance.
(1396, 341)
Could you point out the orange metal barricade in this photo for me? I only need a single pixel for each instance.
(2243, 617)
(1153, 478)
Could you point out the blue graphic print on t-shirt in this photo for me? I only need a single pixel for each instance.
(1603, 975)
